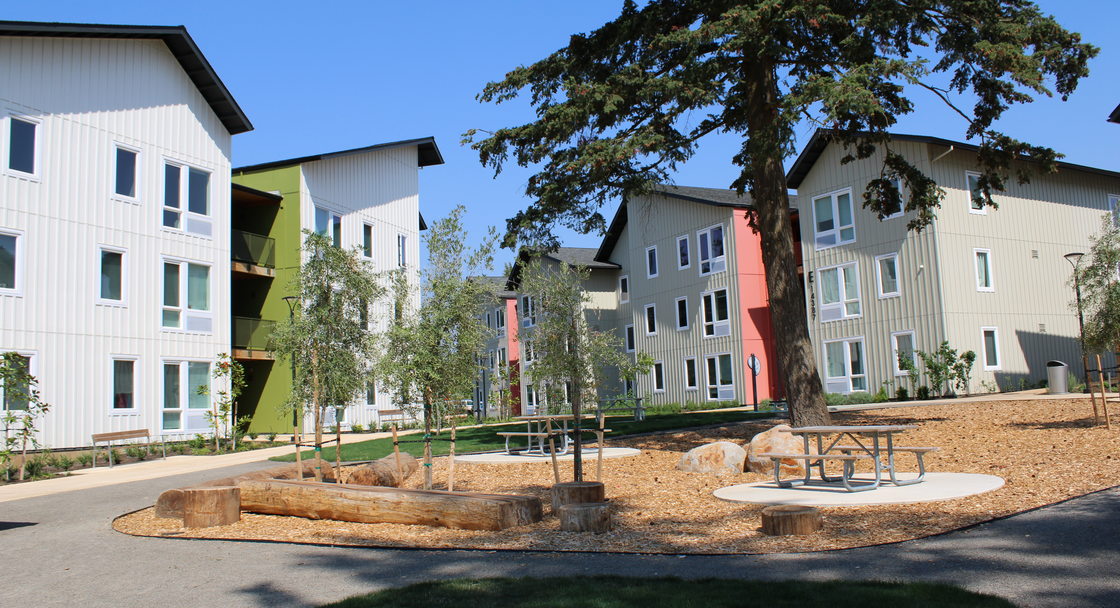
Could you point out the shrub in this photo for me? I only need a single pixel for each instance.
(198, 441)
(901, 394)
(116, 454)
(923, 393)
(85, 459)
(881, 396)
(201, 451)
(357, 428)
(252, 436)
(271, 437)
(34, 467)
(65, 463)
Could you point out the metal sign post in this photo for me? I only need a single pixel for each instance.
(756, 368)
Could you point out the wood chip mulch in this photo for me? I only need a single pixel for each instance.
(1047, 451)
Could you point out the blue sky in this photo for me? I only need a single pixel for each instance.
(319, 77)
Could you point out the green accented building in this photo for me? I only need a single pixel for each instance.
(366, 198)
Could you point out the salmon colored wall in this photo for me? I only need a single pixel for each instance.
(754, 311)
(513, 354)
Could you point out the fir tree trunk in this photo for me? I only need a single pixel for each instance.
(771, 201)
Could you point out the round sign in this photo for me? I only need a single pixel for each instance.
(754, 364)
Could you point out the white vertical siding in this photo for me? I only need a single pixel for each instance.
(89, 95)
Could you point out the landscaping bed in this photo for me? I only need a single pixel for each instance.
(1046, 450)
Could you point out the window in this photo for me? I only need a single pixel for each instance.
(367, 241)
(15, 395)
(23, 153)
(489, 320)
(658, 377)
(124, 183)
(991, 348)
(651, 319)
(721, 377)
(500, 320)
(886, 267)
(1114, 208)
(329, 224)
(195, 283)
(984, 280)
(184, 405)
(531, 400)
(627, 386)
(894, 208)
(371, 393)
(528, 311)
(975, 194)
(402, 250)
(195, 189)
(716, 315)
(712, 258)
(839, 295)
(651, 262)
(630, 338)
(529, 354)
(684, 259)
(623, 289)
(123, 384)
(691, 381)
(682, 313)
(902, 347)
(832, 214)
(10, 258)
(111, 287)
(844, 367)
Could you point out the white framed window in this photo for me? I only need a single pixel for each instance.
(184, 405)
(682, 313)
(530, 355)
(15, 396)
(658, 377)
(895, 209)
(844, 366)
(989, 337)
(126, 161)
(367, 241)
(500, 320)
(717, 314)
(975, 195)
(721, 377)
(528, 311)
(1114, 208)
(623, 289)
(112, 276)
(691, 379)
(839, 292)
(886, 274)
(11, 262)
(189, 185)
(651, 262)
(684, 254)
(630, 339)
(23, 156)
(710, 244)
(329, 224)
(984, 279)
(402, 250)
(186, 297)
(371, 393)
(833, 220)
(651, 319)
(501, 356)
(902, 347)
(531, 399)
(123, 382)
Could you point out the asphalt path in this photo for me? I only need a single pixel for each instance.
(61, 551)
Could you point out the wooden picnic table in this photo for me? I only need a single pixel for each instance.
(848, 454)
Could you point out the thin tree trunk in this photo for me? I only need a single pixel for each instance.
(577, 403)
(315, 397)
(427, 440)
(23, 452)
(771, 201)
(337, 448)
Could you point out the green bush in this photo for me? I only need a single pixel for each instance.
(85, 459)
(923, 393)
(271, 437)
(64, 463)
(201, 451)
(252, 436)
(357, 428)
(199, 441)
(34, 467)
(901, 394)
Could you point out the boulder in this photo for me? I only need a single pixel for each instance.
(780, 440)
(718, 457)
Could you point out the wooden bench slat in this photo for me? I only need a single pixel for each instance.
(895, 448)
(530, 434)
(114, 436)
(815, 456)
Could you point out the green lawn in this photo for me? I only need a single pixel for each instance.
(619, 592)
(481, 439)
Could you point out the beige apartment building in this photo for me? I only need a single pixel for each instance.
(989, 280)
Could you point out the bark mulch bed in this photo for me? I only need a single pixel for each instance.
(1046, 450)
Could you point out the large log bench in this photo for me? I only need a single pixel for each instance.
(109, 438)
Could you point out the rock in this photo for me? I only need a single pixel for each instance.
(718, 457)
(780, 440)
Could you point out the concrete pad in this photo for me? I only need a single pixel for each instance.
(936, 486)
(504, 458)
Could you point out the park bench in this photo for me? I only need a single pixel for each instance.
(109, 438)
(390, 416)
(623, 405)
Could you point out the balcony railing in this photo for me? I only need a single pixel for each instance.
(253, 249)
(252, 334)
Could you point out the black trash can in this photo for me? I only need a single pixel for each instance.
(1057, 377)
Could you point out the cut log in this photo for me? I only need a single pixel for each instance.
(573, 492)
(170, 503)
(214, 506)
(585, 517)
(384, 472)
(373, 504)
(785, 520)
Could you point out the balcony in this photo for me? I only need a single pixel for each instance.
(253, 254)
(251, 337)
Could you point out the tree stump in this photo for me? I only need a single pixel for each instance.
(213, 506)
(785, 520)
(585, 517)
(573, 492)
